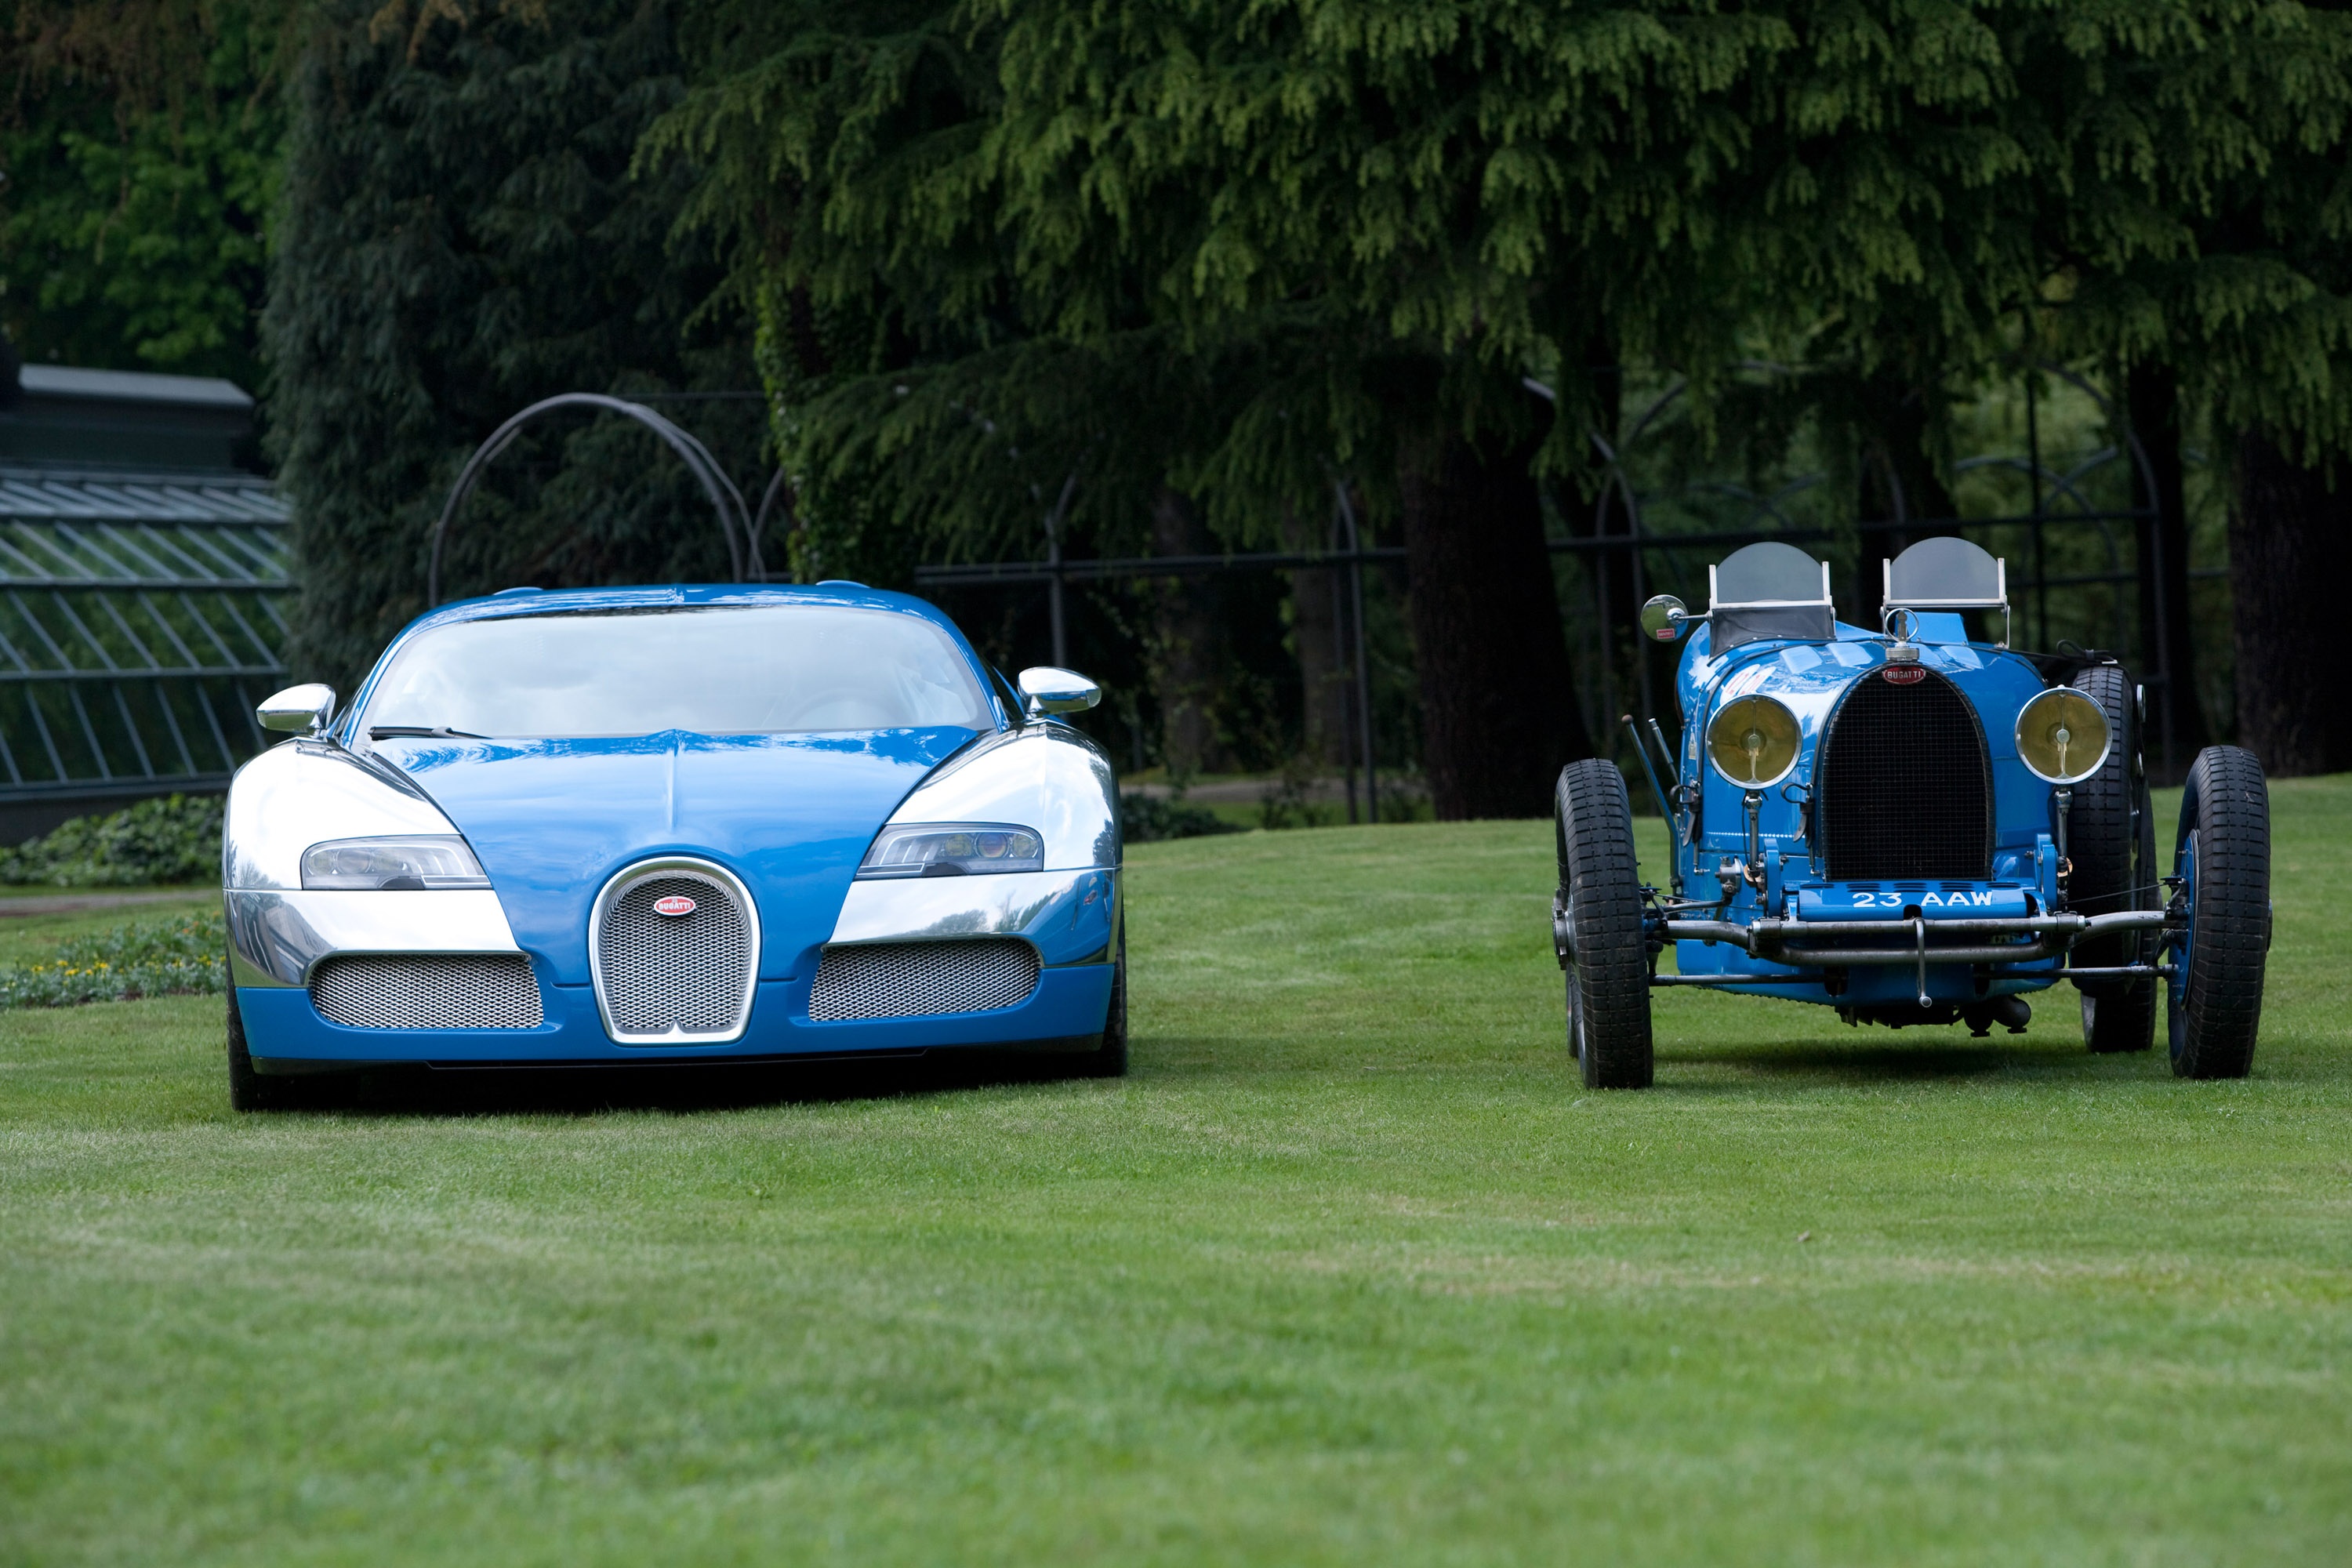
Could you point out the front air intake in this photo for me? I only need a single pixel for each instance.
(674, 950)
(918, 979)
(1904, 791)
(428, 991)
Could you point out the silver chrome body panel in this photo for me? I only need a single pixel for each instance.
(278, 937)
(1042, 775)
(1038, 905)
(304, 792)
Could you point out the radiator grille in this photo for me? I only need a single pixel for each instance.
(428, 991)
(1905, 788)
(912, 979)
(685, 973)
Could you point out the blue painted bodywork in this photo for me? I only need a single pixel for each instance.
(790, 814)
(1810, 678)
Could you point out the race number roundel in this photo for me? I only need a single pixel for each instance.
(676, 904)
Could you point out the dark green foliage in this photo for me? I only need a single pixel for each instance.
(460, 237)
(146, 958)
(141, 145)
(1149, 819)
(174, 840)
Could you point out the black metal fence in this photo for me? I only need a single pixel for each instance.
(2081, 543)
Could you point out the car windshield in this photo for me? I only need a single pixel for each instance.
(715, 670)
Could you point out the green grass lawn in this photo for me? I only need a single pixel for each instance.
(1350, 1270)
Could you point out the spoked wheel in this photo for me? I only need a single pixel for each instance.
(2223, 860)
(1598, 921)
(2111, 839)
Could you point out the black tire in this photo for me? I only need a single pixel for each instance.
(2111, 839)
(247, 1089)
(1109, 1060)
(1600, 898)
(2224, 853)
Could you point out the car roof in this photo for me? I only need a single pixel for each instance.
(559, 600)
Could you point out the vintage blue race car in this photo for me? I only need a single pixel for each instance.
(1913, 825)
(673, 824)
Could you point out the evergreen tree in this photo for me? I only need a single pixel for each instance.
(140, 146)
(461, 236)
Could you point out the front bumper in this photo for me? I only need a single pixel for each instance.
(277, 939)
(286, 1033)
(1955, 960)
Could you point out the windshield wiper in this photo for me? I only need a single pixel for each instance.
(432, 731)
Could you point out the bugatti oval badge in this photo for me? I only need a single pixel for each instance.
(676, 904)
(1903, 674)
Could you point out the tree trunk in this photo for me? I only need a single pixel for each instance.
(2290, 549)
(2167, 651)
(1185, 653)
(1316, 626)
(1498, 716)
(1901, 483)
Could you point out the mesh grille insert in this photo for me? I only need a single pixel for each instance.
(1905, 790)
(428, 991)
(689, 972)
(912, 979)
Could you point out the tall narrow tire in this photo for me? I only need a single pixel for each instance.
(1109, 1060)
(2111, 839)
(1599, 905)
(2223, 858)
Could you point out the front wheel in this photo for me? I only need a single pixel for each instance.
(1599, 921)
(2111, 842)
(2224, 861)
(1109, 1058)
(247, 1089)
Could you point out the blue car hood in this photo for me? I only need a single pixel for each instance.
(791, 814)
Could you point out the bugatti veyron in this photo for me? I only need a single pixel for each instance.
(669, 825)
(1916, 825)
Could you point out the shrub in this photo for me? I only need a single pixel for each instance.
(146, 958)
(175, 839)
(1147, 819)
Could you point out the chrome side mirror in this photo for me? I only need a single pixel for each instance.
(1663, 619)
(300, 710)
(1050, 691)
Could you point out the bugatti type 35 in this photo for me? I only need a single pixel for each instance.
(1912, 825)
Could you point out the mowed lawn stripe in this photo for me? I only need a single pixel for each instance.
(1349, 1269)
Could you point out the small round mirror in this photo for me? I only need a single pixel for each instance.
(1663, 619)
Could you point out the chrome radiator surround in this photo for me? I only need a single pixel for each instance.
(922, 979)
(428, 991)
(705, 979)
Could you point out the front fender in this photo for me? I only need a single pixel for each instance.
(1048, 776)
(304, 792)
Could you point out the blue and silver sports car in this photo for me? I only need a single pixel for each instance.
(1913, 825)
(669, 825)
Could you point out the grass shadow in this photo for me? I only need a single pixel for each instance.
(684, 1090)
(1865, 1061)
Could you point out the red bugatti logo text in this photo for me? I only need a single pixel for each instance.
(1903, 674)
(676, 904)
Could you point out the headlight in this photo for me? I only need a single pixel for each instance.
(431, 860)
(1754, 741)
(2062, 736)
(955, 850)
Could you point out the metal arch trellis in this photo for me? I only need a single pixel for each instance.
(735, 520)
(138, 620)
